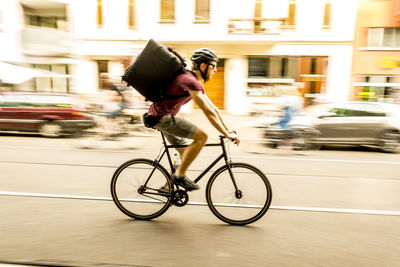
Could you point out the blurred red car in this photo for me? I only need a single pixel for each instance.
(52, 115)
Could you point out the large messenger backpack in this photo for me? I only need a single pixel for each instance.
(153, 71)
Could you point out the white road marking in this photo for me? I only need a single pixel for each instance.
(292, 208)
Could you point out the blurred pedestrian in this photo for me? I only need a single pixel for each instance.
(291, 104)
(114, 103)
(116, 94)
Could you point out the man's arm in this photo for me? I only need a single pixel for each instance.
(212, 114)
(217, 112)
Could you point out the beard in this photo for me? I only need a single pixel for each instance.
(208, 76)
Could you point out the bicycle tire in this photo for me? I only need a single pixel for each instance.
(125, 184)
(303, 139)
(219, 192)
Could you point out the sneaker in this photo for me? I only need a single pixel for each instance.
(185, 183)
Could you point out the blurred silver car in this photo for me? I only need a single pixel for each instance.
(348, 123)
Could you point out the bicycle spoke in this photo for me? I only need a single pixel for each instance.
(135, 200)
(244, 206)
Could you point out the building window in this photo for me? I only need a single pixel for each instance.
(131, 14)
(41, 21)
(258, 67)
(56, 19)
(202, 12)
(313, 68)
(99, 13)
(384, 37)
(102, 67)
(58, 84)
(268, 75)
(391, 37)
(312, 74)
(273, 67)
(377, 88)
(167, 11)
(327, 15)
(284, 67)
(257, 16)
(291, 19)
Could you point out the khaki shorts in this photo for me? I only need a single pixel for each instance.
(177, 130)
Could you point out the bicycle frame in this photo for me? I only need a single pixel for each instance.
(223, 155)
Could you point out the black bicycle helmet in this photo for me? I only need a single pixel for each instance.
(204, 55)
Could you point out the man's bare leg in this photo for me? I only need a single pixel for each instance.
(189, 153)
(201, 138)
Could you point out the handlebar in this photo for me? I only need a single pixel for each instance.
(224, 137)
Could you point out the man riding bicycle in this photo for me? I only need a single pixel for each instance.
(161, 115)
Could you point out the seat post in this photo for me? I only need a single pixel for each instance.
(166, 150)
(163, 138)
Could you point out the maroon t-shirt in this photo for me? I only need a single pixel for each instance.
(180, 86)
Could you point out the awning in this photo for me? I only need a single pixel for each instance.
(13, 74)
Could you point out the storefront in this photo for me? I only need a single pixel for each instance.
(376, 60)
(383, 85)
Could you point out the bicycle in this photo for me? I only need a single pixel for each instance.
(298, 138)
(126, 131)
(236, 193)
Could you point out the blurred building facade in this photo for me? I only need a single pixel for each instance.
(38, 35)
(376, 64)
(264, 45)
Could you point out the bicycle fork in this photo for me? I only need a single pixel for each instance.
(228, 161)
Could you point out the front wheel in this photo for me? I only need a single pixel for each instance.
(136, 198)
(242, 205)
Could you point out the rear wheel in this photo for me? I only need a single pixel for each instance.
(133, 197)
(245, 205)
(390, 142)
(50, 129)
(304, 139)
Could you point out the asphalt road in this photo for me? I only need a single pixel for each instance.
(336, 207)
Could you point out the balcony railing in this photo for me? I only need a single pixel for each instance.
(255, 25)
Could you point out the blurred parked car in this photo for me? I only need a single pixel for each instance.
(348, 123)
(51, 115)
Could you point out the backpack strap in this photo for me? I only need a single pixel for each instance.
(183, 61)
